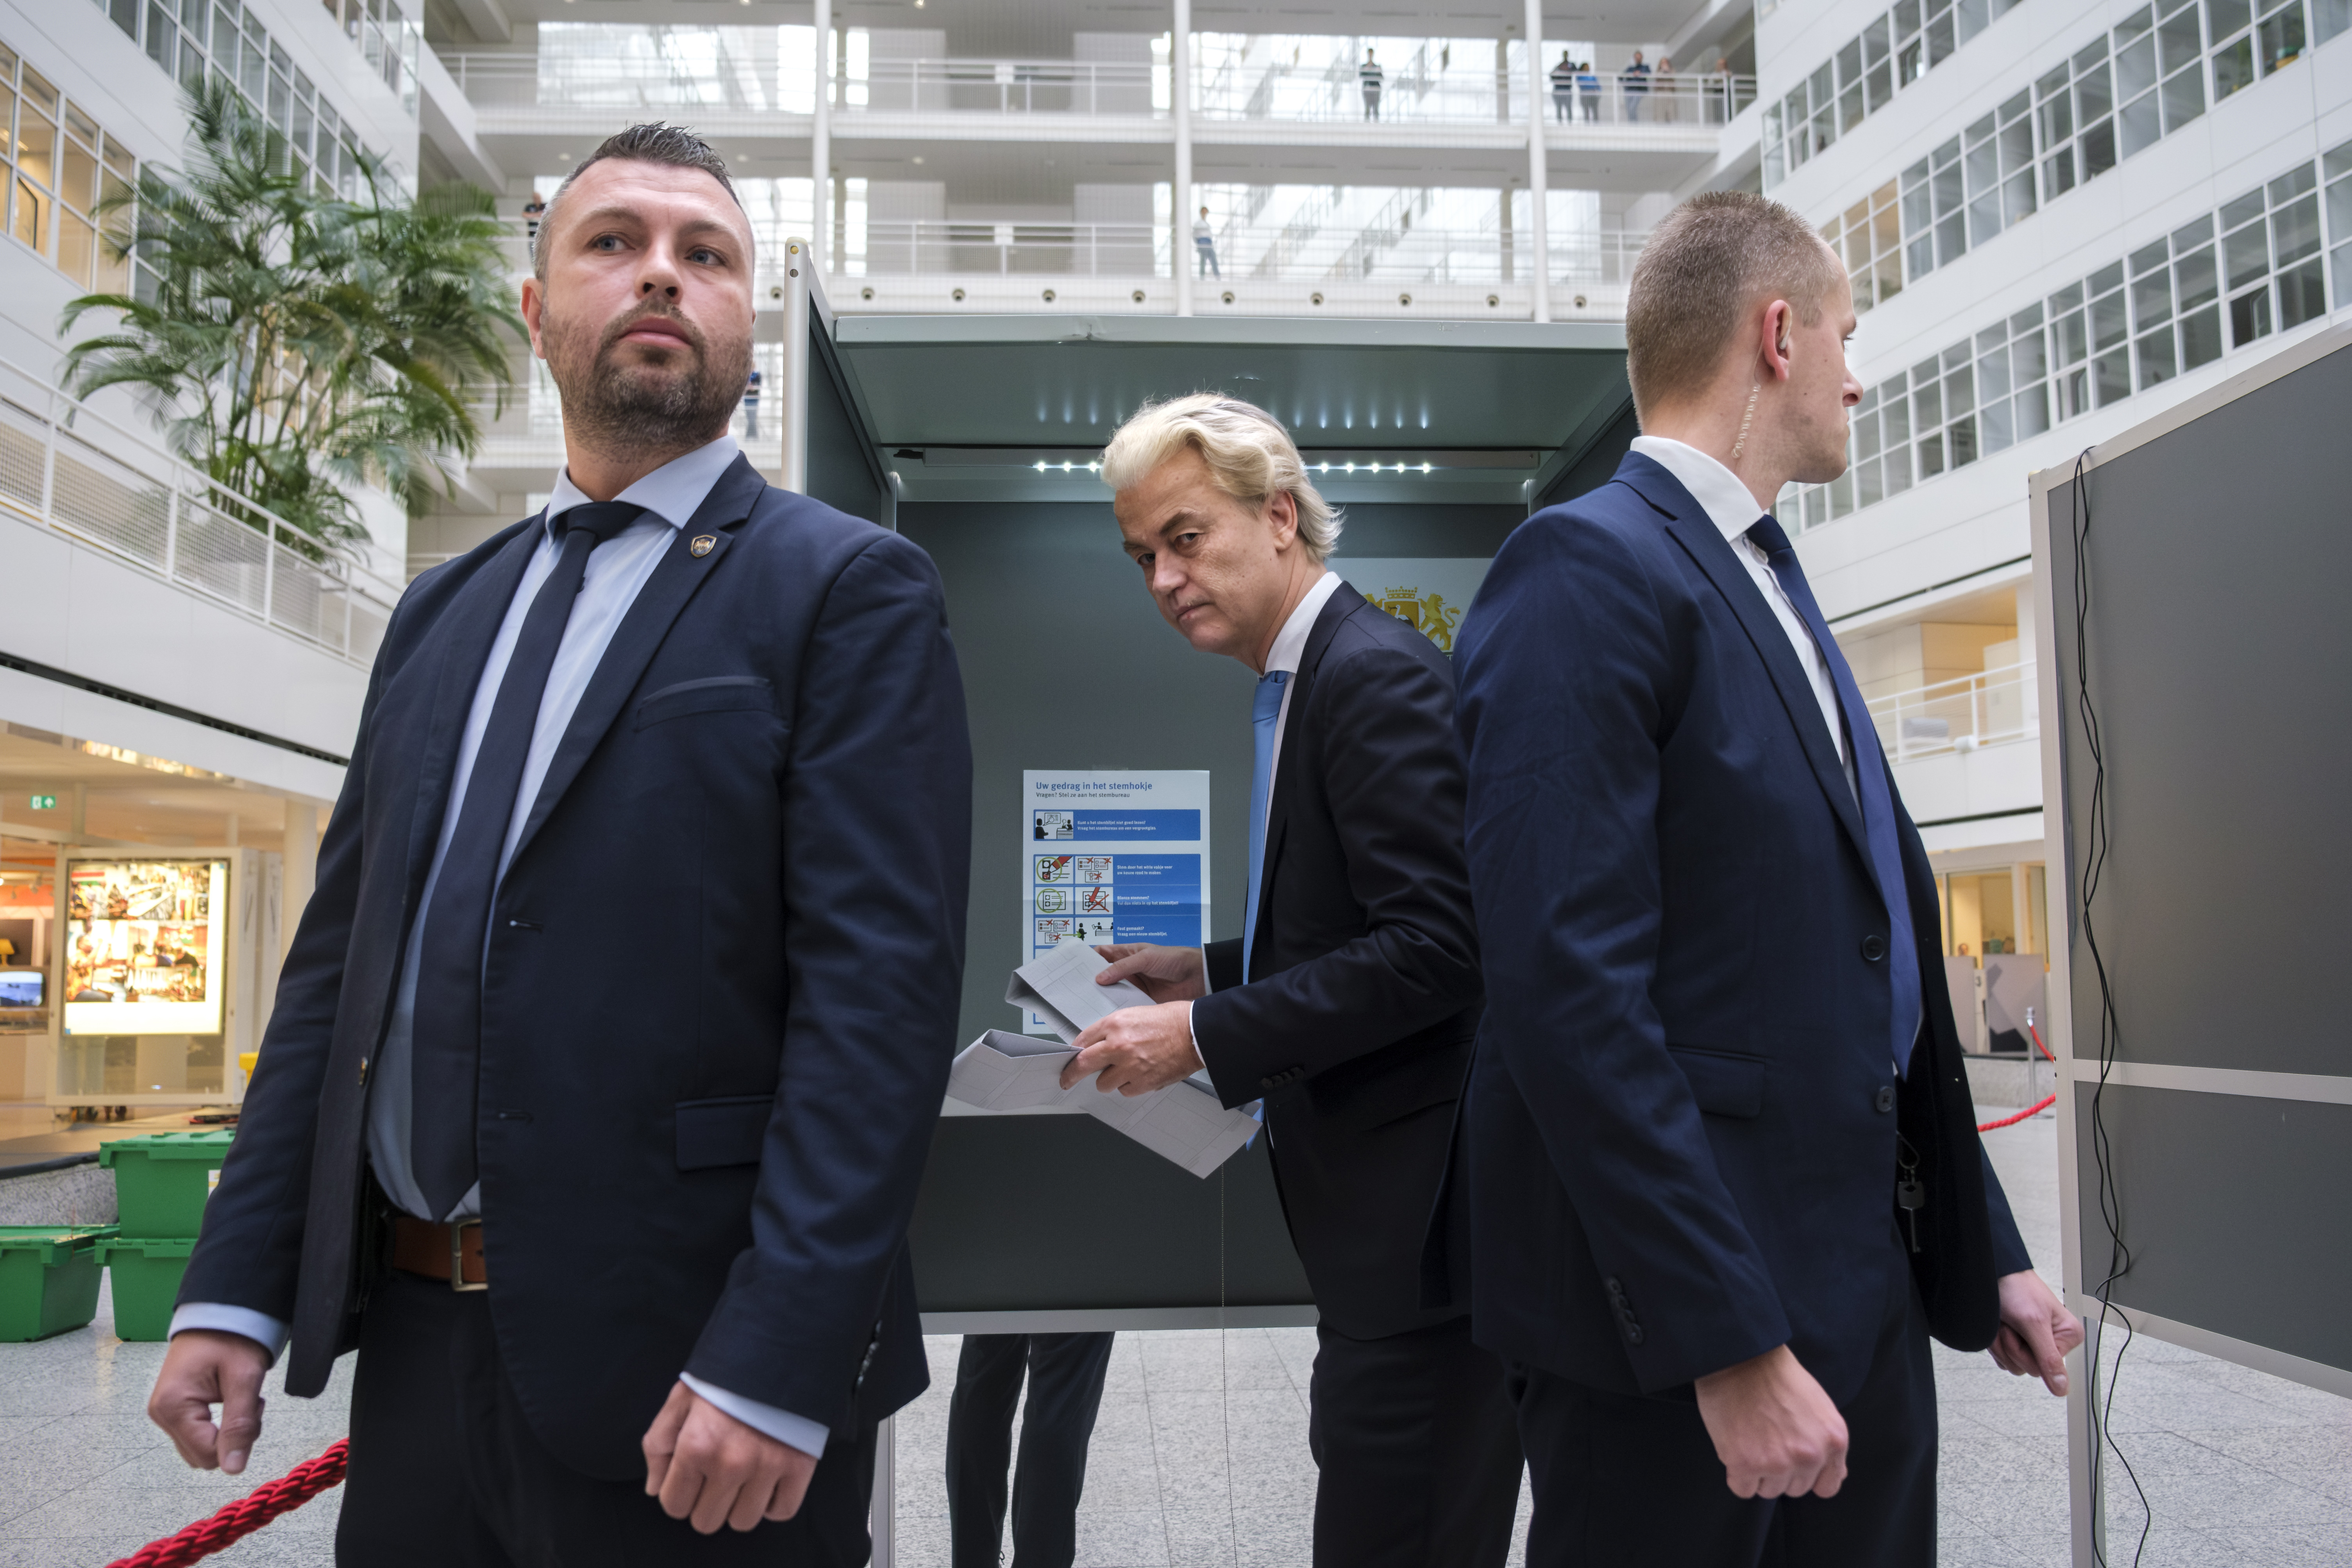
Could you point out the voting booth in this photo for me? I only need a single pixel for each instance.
(2191, 572)
(973, 436)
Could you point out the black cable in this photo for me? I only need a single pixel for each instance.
(2097, 841)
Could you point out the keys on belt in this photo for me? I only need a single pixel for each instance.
(451, 1252)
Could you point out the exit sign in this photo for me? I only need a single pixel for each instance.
(44, 803)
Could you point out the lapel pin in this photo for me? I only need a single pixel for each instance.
(704, 544)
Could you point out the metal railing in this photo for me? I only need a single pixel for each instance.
(1620, 98)
(718, 81)
(1960, 715)
(1334, 93)
(67, 466)
(1006, 87)
(1391, 252)
(1276, 93)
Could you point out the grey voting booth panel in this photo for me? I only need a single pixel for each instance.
(2208, 596)
(1066, 663)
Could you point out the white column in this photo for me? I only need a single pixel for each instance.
(299, 856)
(1180, 93)
(821, 144)
(1538, 230)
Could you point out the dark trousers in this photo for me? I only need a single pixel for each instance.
(445, 1469)
(1066, 1375)
(1419, 1457)
(1622, 1478)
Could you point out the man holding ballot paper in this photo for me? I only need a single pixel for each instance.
(1349, 1003)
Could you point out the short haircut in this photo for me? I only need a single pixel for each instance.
(1712, 260)
(673, 145)
(1250, 455)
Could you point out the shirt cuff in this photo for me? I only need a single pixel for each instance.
(260, 1327)
(791, 1430)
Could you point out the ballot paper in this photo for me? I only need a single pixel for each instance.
(1182, 1122)
(1058, 984)
(1007, 1072)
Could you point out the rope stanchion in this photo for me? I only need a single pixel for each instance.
(2039, 1106)
(243, 1517)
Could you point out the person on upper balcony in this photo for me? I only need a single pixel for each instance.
(1633, 81)
(1371, 78)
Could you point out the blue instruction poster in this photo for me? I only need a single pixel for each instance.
(1113, 857)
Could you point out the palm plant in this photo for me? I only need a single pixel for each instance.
(295, 342)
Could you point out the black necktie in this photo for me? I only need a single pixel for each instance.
(445, 1054)
(1878, 801)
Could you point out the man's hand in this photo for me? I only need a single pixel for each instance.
(205, 1367)
(710, 1468)
(2037, 1332)
(1136, 1050)
(1775, 1432)
(1162, 973)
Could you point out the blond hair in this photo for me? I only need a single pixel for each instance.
(1250, 456)
(1712, 260)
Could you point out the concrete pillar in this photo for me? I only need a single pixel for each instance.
(1180, 106)
(820, 146)
(299, 858)
(1538, 236)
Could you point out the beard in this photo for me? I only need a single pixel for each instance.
(614, 406)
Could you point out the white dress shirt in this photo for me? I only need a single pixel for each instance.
(616, 570)
(1733, 509)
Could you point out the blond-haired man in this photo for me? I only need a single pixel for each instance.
(1349, 1003)
(1725, 1174)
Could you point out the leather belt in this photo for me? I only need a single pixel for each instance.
(451, 1252)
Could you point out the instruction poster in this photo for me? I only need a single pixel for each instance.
(1112, 857)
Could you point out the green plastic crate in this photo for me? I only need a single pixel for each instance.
(161, 1180)
(146, 1282)
(49, 1279)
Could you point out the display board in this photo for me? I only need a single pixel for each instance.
(145, 946)
(2192, 577)
(1112, 857)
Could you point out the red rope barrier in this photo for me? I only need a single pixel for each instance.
(243, 1517)
(2034, 1110)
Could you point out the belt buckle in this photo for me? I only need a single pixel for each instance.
(457, 1255)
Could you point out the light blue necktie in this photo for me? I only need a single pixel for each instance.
(1264, 711)
(1870, 779)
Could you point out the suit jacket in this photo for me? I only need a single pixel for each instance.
(1362, 1005)
(1682, 1122)
(719, 1002)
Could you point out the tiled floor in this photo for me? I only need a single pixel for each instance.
(1201, 1453)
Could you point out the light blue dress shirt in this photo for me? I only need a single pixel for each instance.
(616, 570)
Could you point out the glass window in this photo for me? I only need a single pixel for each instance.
(2336, 169)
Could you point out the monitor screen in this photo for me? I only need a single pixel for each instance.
(23, 987)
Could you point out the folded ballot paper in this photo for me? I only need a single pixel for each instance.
(1008, 1072)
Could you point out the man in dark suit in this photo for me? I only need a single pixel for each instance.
(1349, 1003)
(1725, 1171)
(605, 1060)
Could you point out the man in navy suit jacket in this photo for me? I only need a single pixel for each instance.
(1725, 1173)
(606, 1058)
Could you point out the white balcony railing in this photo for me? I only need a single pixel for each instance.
(763, 81)
(1394, 252)
(710, 80)
(1006, 87)
(69, 467)
(1462, 96)
(1961, 715)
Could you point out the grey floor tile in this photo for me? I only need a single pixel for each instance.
(1127, 1538)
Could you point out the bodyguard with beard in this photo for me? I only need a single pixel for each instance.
(604, 1061)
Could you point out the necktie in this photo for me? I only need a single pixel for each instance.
(445, 1053)
(1871, 782)
(1264, 711)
